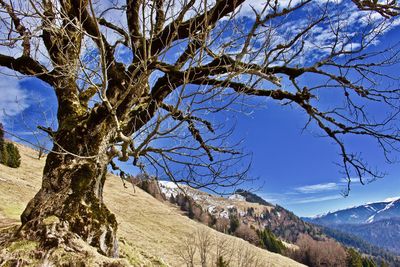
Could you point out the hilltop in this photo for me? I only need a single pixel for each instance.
(252, 197)
(151, 232)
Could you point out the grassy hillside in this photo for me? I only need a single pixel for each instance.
(151, 233)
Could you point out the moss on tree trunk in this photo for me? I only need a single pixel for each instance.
(70, 200)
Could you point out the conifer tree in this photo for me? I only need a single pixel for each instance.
(14, 158)
(172, 199)
(221, 262)
(368, 262)
(270, 242)
(233, 223)
(354, 258)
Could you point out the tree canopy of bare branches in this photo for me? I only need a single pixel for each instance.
(147, 81)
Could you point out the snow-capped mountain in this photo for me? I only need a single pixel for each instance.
(367, 213)
(377, 223)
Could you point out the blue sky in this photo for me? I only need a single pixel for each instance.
(295, 169)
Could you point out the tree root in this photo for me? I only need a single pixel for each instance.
(57, 247)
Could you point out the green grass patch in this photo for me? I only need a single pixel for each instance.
(23, 246)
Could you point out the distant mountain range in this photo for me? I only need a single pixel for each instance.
(377, 223)
(361, 214)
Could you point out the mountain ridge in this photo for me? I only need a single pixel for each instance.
(250, 208)
(376, 222)
(365, 213)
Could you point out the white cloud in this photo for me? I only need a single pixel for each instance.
(353, 180)
(272, 197)
(317, 199)
(315, 188)
(13, 99)
(248, 7)
(356, 180)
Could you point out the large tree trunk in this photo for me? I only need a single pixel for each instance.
(70, 200)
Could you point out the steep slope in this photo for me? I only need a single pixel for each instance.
(391, 210)
(150, 232)
(351, 240)
(216, 205)
(384, 233)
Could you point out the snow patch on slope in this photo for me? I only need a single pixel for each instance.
(369, 207)
(237, 197)
(168, 188)
(388, 206)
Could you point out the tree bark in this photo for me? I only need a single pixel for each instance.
(70, 200)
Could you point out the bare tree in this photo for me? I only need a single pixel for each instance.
(222, 224)
(319, 253)
(203, 248)
(148, 81)
(222, 251)
(247, 258)
(205, 243)
(246, 233)
(187, 250)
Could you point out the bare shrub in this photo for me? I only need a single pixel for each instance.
(187, 250)
(204, 249)
(204, 244)
(205, 218)
(222, 225)
(222, 252)
(246, 257)
(246, 233)
(319, 253)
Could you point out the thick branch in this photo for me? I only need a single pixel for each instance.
(132, 13)
(177, 30)
(387, 9)
(160, 17)
(122, 32)
(26, 66)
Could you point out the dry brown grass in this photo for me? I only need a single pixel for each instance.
(150, 231)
